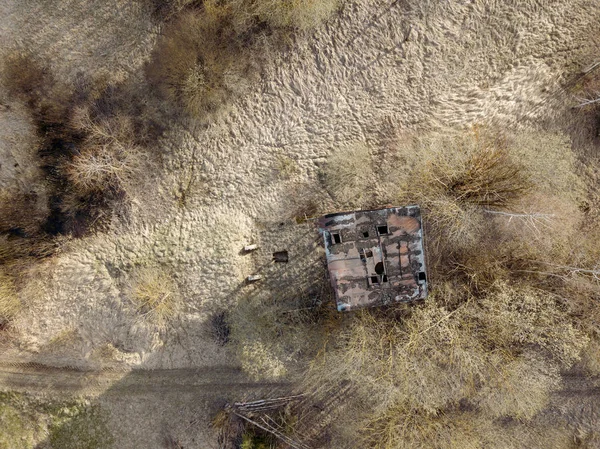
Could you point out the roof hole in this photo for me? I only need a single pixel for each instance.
(379, 268)
(374, 280)
(382, 230)
(366, 234)
(422, 276)
(385, 279)
(368, 253)
(336, 237)
(281, 256)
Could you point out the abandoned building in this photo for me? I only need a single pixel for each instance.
(375, 257)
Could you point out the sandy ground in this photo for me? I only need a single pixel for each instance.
(375, 71)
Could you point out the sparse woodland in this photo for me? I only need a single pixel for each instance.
(510, 218)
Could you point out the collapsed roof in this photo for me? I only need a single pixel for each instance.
(375, 257)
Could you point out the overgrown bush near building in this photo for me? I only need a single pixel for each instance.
(457, 177)
(348, 176)
(491, 201)
(499, 356)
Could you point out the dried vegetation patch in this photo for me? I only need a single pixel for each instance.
(503, 214)
(33, 422)
(9, 301)
(154, 295)
(209, 54)
(298, 14)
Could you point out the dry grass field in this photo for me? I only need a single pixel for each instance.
(144, 143)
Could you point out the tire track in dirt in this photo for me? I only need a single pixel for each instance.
(212, 381)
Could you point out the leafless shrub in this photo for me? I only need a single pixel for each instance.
(205, 56)
(482, 214)
(171, 442)
(220, 327)
(454, 177)
(286, 167)
(63, 340)
(523, 389)
(166, 9)
(109, 157)
(91, 141)
(23, 74)
(106, 352)
(591, 358)
(587, 90)
(532, 318)
(254, 326)
(270, 336)
(22, 236)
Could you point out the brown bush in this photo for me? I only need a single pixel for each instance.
(265, 343)
(483, 218)
(28, 78)
(22, 236)
(24, 75)
(206, 55)
(400, 427)
(299, 14)
(455, 177)
(200, 63)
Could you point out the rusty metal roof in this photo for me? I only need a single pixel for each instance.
(375, 257)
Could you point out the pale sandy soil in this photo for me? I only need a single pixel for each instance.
(376, 71)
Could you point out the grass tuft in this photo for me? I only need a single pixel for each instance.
(10, 304)
(154, 295)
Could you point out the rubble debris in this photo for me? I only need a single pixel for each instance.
(254, 278)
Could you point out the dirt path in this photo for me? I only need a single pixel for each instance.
(206, 381)
(146, 406)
